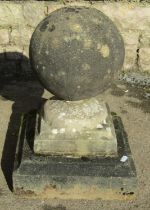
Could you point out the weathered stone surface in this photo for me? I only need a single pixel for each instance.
(75, 116)
(33, 13)
(79, 52)
(21, 36)
(10, 14)
(131, 38)
(145, 39)
(127, 16)
(4, 37)
(80, 128)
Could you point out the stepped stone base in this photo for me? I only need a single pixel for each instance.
(73, 178)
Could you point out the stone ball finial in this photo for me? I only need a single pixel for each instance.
(75, 52)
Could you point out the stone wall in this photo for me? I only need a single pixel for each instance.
(19, 19)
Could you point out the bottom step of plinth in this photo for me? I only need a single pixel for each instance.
(73, 178)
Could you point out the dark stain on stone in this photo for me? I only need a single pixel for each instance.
(73, 9)
(49, 207)
(67, 18)
(51, 28)
(70, 9)
(44, 26)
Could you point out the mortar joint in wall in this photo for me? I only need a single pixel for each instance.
(9, 33)
(46, 11)
(137, 61)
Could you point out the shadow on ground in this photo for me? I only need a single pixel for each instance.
(18, 85)
(138, 96)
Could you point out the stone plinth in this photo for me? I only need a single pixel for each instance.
(41, 176)
(76, 128)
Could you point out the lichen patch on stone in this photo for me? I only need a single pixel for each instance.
(104, 51)
(61, 73)
(109, 71)
(86, 66)
(95, 20)
(73, 37)
(87, 43)
(47, 52)
(62, 130)
(76, 27)
(99, 45)
(54, 131)
(55, 43)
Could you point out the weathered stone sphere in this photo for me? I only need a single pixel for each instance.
(75, 52)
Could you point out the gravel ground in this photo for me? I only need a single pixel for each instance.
(131, 103)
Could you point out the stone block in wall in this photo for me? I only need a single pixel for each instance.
(125, 15)
(144, 59)
(130, 37)
(15, 36)
(21, 35)
(131, 41)
(33, 13)
(130, 57)
(145, 39)
(4, 36)
(10, 14)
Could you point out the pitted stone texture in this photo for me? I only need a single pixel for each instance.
(75, 52)
(74, 115)
(80, 128)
